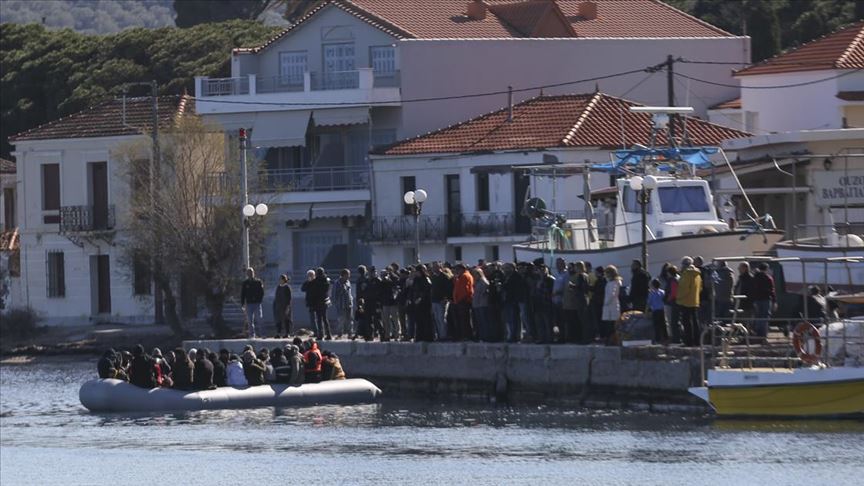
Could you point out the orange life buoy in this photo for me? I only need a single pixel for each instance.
(798, 341)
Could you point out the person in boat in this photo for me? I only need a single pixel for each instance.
(264, 357)
(282, 307)
(817, 307)
(236, 377)
(125, 359)
(281, 370)
(193, 355)
(343, 302)
(203, 373)
(220, 377)
(598, 296)
(421, 298)
(764, 297)
(251, 295)
(724, 283)
(184, 369)
(639, 283)
(297, 373)
(463, 298)
(689, 291)
(656, 305)
(142, 370)
(253, 368)
(670, 298)
(163, 369)
(611, 304)
(107, 366)
(312, 361)
(331, 368)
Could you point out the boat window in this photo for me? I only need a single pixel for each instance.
(688, 199)
(631, 201)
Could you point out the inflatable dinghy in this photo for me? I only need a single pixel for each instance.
(119, 396)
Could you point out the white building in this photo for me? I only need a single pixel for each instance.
(477, 174)
(352, 74)
(10, 261)
(811, 123)
(72, 200)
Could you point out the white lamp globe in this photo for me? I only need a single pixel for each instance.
(261, 209)
(409, 197)
(248, 210)
(636, 183)
(420, 196)
(650, 182)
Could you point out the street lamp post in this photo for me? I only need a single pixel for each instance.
(644, 186)
(415, 199)
(248, 209)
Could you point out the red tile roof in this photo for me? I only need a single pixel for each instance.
(447, 19)
(842, 49)
(578, 120)
(106, 119)
(7, 166)
(734, 104)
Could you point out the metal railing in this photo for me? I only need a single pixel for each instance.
(401, 229)
(313, 179)
(334, 80)
(387, 80)
(482, 224)
(819, 234)
(78, 219)
(225, 86)
(278, 84)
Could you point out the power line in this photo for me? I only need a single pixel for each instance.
(793, 85)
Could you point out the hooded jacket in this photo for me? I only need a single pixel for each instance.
(689, 287)
(235, 375)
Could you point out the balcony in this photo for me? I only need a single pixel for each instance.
(481, 224)
(359, 86)
(293, 180)
(402, 229)
(85, 219)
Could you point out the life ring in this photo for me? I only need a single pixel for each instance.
(798, 341)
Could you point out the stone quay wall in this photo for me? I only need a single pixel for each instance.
(645, 377)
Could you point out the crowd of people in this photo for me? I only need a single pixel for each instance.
(294, 364)
(525, 302)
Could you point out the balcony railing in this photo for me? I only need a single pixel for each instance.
(317, 179)
(481, 224)
(401, 229)
(252, 84)
(79, 219)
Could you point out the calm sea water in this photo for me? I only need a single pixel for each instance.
(47, 437)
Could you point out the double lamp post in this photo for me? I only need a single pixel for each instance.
(415, 199)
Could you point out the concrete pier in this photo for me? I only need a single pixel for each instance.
(646, 377)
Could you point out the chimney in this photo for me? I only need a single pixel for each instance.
(588, 10)
(476, 10)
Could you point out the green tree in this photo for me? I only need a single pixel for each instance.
(296, 9)
(194, 12)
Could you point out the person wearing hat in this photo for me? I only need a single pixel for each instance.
(253, 368)
(163, 369)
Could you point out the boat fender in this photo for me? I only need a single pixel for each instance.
(798, 341)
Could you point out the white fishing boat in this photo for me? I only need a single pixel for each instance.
(662, 208)
(831, 260)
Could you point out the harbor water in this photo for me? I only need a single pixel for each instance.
(47, 437)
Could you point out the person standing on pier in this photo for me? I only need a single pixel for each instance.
(723, 286)
(251, 295)
(442, 289)
(282, 306)
(344, 303)
(463, 297)
(611, 304)
(639, 286)
(689, 289)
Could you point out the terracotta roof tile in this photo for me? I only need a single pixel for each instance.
(106, 119)
(842, 49)
(7, 166)
(447, 19)
(734, 104)
(577, 120)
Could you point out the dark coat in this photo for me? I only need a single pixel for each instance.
(252, 291)
(142, 372)
(203, 374)
(281, 299)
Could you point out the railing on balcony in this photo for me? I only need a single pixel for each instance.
(278, 84)
(225, 86)
(481, 224)
(317, 179)
(387, 80)
(402, 229)
(80, 219)
(334, 80)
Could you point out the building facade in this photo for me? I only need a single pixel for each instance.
(10, 261)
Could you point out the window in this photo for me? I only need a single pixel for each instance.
(631, 201)
(683, 199)
(383, 136)
(141, 276)
(292, 65)
(482, 191)
(383, 60)
(409, 183)
(56, 274)
(9, 208)
(51, 192)
(457, 253)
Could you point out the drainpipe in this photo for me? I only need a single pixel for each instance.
(509, 103)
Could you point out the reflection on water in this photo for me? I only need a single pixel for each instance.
(41, 421)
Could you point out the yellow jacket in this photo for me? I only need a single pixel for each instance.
(689, 287)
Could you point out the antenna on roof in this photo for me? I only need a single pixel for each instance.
(509, 103)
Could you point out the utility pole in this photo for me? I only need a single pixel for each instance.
(153, 172)
(670, 92)
(245, 189)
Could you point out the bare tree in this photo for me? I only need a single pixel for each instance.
(191, 231)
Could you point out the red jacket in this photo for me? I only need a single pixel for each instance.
(312, 364)
(463, 288)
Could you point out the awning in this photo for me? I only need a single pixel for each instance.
(295, 212)
(280, 129)
(338, 209)
(341, 116)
